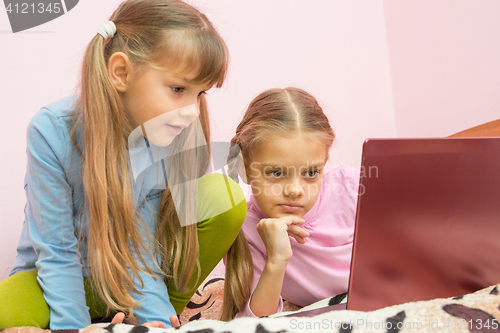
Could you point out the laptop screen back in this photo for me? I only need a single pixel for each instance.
(428, 220)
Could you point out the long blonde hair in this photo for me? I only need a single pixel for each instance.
(167, 33)
(273, 112)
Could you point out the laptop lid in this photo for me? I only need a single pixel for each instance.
(428, 220)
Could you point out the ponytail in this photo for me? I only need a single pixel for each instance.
(239, 277)
(111, 247)
(232, 159)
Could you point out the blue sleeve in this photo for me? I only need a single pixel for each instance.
(50, 219)
(49, 213)
(155, 304)
(154, 301)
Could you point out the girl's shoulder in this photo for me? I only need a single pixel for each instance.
(340, 185)
(254, 213)
(49, 130)
(61, 111)
(252, 218)
(341, 174)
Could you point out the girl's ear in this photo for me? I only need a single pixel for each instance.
(119, 68)
(242, 168)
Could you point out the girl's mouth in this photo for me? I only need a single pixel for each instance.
(290, 208)
(174, 129)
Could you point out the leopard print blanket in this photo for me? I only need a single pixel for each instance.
(476, 312)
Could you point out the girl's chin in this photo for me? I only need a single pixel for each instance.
(277, 215)
(161, 139)
(162, 143)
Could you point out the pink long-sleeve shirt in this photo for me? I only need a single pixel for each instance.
(319, 268)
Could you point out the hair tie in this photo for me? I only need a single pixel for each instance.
(108, 30)
(237, 139)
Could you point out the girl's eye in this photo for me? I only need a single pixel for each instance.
(275, 174)
(202, 93)
(312, 173)
(177, 89)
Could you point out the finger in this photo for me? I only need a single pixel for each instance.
(131, 320)
(296, 230)
(283, 223)
(156, 324)
(299, 238)
(293, 219)
(174, 321)
(118, 318)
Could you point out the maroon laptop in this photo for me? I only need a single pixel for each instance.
(428, 220)
(427, 223)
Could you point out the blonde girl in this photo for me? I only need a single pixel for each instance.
(298, 206)
(99, 237)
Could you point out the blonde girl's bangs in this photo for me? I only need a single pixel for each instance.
(199, 51)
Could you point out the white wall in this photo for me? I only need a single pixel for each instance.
(335, 49)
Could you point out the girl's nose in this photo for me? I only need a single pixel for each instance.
(294, 188)
(191, 111)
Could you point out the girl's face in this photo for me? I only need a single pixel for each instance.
(164, 103)
(285, 174)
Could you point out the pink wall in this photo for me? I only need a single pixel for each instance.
(335, 49)
(443, 77)
(445, 64)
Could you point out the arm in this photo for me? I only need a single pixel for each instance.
(259, 261)
(266, 297)
(275, 234)
(155, 303)
(49, 215)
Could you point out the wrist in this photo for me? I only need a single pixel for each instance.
(276, 265)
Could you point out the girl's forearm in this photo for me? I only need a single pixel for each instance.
(266, 296)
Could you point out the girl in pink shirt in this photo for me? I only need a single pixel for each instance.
(298, 206)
